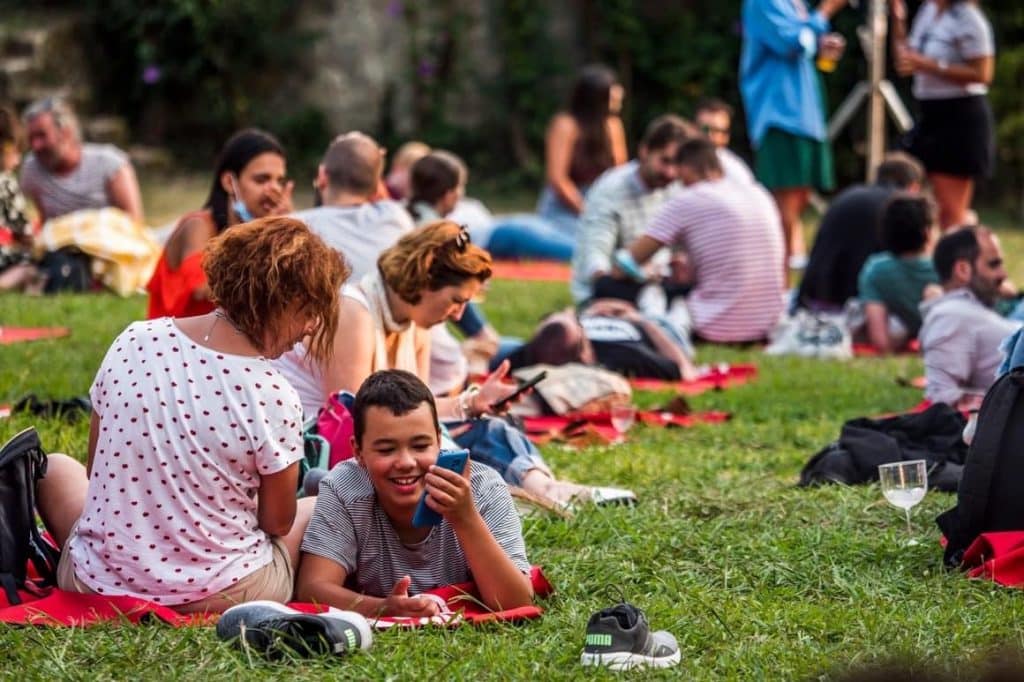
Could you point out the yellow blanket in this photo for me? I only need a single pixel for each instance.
(123, 252)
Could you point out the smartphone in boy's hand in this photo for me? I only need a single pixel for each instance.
(452, 460)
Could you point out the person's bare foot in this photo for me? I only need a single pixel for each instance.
(567, 493)
(562, 492)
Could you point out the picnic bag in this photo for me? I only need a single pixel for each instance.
(22, 464)
(989, 497)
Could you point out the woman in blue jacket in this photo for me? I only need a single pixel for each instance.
(784, 102)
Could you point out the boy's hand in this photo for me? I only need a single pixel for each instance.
(400, 604)
(449, 493)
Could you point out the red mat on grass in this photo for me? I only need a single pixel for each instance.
(55, 608)
(715, 379)
(599, 424)
(9, 335)
(866, 350)
(534, 271)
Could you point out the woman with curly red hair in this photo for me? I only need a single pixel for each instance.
(188, 496)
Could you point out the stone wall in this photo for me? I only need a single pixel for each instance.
(384, 64)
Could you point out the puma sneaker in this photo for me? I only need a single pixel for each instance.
(272, 629)
(619, 638)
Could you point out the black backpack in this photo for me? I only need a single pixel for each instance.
(991, 492)
(22, 464)
(66, 269)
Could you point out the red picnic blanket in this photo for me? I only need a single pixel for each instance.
(535, 271)
(459, 604)
(997, 556)
(596, 427)
(9, 335)
(714, 379)
(54, 607)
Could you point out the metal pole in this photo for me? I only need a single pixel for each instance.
(877, 20)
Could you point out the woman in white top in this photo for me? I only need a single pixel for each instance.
(188, 496)
(950, 52)
(426, 279)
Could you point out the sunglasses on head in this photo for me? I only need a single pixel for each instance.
(462, 239)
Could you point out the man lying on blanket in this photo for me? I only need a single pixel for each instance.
(361, 550)
(614, 334)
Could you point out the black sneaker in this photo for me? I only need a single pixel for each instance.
(619, 638)
(274, 629)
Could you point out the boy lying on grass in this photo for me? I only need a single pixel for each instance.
(361, 551)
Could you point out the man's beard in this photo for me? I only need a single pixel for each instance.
(656, 181)
(987, 294)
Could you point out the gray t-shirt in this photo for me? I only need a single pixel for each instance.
(350, 528)
(953, 37)
(83, 188)
(360, 232)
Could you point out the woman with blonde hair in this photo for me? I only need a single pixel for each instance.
(188, 495)
(426, 279)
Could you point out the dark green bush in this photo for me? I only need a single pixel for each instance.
(189, 72)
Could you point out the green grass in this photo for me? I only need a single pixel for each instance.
(757, 579)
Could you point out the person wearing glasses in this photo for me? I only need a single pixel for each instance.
(62, 174)
(714, 118)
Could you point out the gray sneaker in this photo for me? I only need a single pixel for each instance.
(619, 638)
(273, 629)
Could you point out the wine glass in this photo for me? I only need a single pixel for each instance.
(623, 417)
(904, 484)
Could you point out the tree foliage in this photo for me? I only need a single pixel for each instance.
(197, 69)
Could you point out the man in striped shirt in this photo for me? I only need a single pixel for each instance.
(63, 174)
(732, 235)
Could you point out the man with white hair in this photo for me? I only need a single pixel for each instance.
(62, 174)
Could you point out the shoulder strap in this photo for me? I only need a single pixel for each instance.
(10, 587)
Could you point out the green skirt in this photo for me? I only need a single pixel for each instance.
(785, 160)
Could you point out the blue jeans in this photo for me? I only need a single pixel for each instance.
(524, 235)
(556, 213)
(500, 446)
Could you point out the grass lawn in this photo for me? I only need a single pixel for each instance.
(757, 579)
